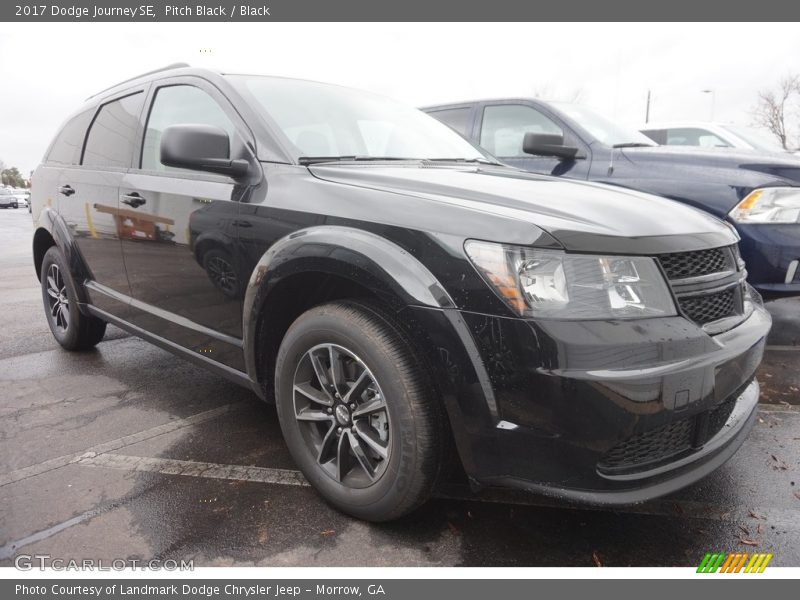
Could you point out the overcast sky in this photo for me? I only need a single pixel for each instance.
(47, 70)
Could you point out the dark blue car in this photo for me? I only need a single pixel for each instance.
(759, 194)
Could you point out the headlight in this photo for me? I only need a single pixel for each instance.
(769, 205)
(554, 285)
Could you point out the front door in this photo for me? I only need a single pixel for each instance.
(179, 245)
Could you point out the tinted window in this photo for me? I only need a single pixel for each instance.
(176, 105)
(457, 118)
(66, 149)
(112, 135)
(659, 136)
(505, 126)
(692, 136)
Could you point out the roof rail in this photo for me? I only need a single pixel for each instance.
(177, 65)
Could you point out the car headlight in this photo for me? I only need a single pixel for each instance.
(769, 205)
(555, 285)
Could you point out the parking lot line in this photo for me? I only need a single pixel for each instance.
(684, 508)
(111, 445)
(169, 466)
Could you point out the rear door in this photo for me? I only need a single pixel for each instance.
(501, 128)
(180, 230)
(88, 198)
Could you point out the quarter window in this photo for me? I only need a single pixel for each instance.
(505, 126)
(66, 149)
(112, 136)
(179, 105)
(456, 118)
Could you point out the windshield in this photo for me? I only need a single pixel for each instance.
(323, 120)
(605, 131)
(758, 139)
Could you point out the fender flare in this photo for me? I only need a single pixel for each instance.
(51, 222)
(363, 257)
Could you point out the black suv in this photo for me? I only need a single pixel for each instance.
(395, 291)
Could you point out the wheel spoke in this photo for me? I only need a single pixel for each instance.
(313, 394)
(55, 309)
(310, 414)
(374, 405)
(361, 455)
(367, 434)
(358, 387)
(328, 443)
(51, 292)
(343, 462)
(337, 371)
(322, 374)
(51, 283)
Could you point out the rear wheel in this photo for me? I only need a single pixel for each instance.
(357, 412)
(71, 328)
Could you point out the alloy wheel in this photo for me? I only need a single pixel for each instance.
(342, 415)
(222, 274)
(57, 298)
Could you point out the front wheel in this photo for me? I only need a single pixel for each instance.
(357, 411)
(71, 328)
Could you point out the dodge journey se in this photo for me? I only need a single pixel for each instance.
(400, 296)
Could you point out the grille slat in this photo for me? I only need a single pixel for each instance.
(705, 309)
(702, 307)
(681, 265)
(650, 447)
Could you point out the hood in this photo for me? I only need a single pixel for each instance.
(582, 216)
(750, 167)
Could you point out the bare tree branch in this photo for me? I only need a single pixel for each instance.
(773, 106)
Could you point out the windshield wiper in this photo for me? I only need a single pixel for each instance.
(483, 161)
(633, 145)
(313, 160)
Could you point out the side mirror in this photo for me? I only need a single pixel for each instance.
(200, 148)
(547, 144)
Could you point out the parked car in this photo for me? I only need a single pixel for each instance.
(8, 199)
(757, 193)
(711, 135)
(394, 290)
(23, 197)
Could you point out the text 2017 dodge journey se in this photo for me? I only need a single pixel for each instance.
(395, 291)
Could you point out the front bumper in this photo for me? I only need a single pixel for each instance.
(609, 412)
(769, 251)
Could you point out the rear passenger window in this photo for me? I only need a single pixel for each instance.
(66, 148)
(112, 136)
(456, 118)
(176, 105)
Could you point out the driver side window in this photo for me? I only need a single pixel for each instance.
(176, 105)
(505, 126)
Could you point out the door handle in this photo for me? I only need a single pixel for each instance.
(67, 190)
(133, 200)
(242, 224)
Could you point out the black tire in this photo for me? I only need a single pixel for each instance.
(412, 417)
(71, 328)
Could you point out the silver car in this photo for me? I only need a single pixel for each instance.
(8, 199)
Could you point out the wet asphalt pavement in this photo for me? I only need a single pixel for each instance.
(129, 452)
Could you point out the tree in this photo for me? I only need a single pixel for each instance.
(12, 177)
(776, 110)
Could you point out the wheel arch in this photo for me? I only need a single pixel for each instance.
(320, 264)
